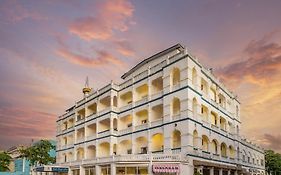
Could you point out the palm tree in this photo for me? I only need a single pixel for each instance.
(5, 160)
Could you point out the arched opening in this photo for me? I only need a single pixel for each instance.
(204, 113)
(80, 153)
(92, 109)
(115, 124)
(205, 143)
(194, 107)
(141, 92)
(115, 103)
(157, 143)
(195, 138)
(64, 155)
(69, 157)
(175, 76)
(176, 107)
(141, 145)
(194, 76)
(125, 147)
(223, 150)
(104, 149)
(214, 146)
(91, 152)
(231, 152)
(176, 137)
(222, 123)
(214, 119)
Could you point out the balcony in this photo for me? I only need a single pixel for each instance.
(157, 122)
(176, 87)
(79, 140)
(141, 101)
(157, 94)
(126, 107)
(104, 133)
(125, 131)
(104, 111)
(141, 127)
(91, 137)
(175, 57)
(176, 116)
(176, 150)
(215, 127)
(141, 75)
(158, 67)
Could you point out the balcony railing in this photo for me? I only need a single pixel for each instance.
(142, 126)
(126, 107)
(158, 67)
(125, 131)
(92, 136)
(157, 94)
(157, 122)
(126, 83)
(141, 75)
(104, 111)
(141, 101)
(175, 57)
(104, 133)
(176, 87)
(176, 116)
(176, 150)
(79, 140)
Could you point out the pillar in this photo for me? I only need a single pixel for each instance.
(212, 171)
(220, 171)
(112, 169)
(81, 170)
(98, 169)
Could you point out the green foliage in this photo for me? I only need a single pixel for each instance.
(272, 162)
(38, 154)
(5, 160)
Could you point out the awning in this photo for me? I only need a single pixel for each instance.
(166, 168)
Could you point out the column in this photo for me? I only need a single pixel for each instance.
(98, 169)
(220, 171)
(81, 170)
(112, 169)
(212, 171)
(70, 171)
(235, 172)
(228, 172)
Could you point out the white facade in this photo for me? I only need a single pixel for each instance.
(169, 114)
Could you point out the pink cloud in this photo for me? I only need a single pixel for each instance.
(13, 11)
(102, 58)
(124, 47)
(22, 125)
(112, 15)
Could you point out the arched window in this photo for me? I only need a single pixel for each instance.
(194, 107)
(223, 150)
(214, 147)
(205, 143)
(157, 142)
(176, 106)
(175, 76)
(195, 138)
(194, 77)
(231, 151)
(176, 139)
(115, 124)
(91, 152)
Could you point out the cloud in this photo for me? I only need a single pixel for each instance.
(124, 47)
(272, 141)
(263, 61)
(256, 79)
(102, 58)
(23, 124)
(111, 15)
(12, 11)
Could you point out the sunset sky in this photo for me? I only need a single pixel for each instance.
(47, 48)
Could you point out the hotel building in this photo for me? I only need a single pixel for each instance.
(170, 115)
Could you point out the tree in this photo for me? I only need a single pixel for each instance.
(38, 154)
(272, 162)
(5, 160)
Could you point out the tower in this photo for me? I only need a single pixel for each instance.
(86, 89)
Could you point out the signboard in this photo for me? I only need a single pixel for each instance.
(51, 169)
